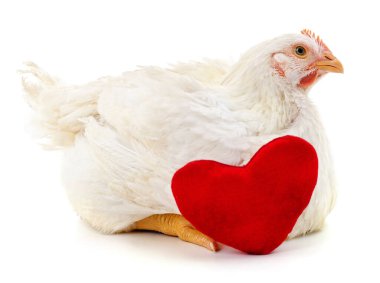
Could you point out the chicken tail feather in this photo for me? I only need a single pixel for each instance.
(60, 110)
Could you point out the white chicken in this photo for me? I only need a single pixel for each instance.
(124, 137)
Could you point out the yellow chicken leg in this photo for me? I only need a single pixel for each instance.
(176, 225)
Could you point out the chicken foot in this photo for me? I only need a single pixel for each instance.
(176, 225)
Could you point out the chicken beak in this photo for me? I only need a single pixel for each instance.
(330, 64)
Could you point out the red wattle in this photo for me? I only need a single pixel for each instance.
(308, 80)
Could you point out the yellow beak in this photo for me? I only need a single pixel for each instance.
(330, 64)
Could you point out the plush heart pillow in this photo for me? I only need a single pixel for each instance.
(252, 208)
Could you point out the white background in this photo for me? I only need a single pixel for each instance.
(42, 240)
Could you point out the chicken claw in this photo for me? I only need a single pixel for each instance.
(176, 225)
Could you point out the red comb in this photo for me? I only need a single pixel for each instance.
(311, 34)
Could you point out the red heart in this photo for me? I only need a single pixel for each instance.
(252, 208)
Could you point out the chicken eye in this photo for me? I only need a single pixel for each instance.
(300, 51)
